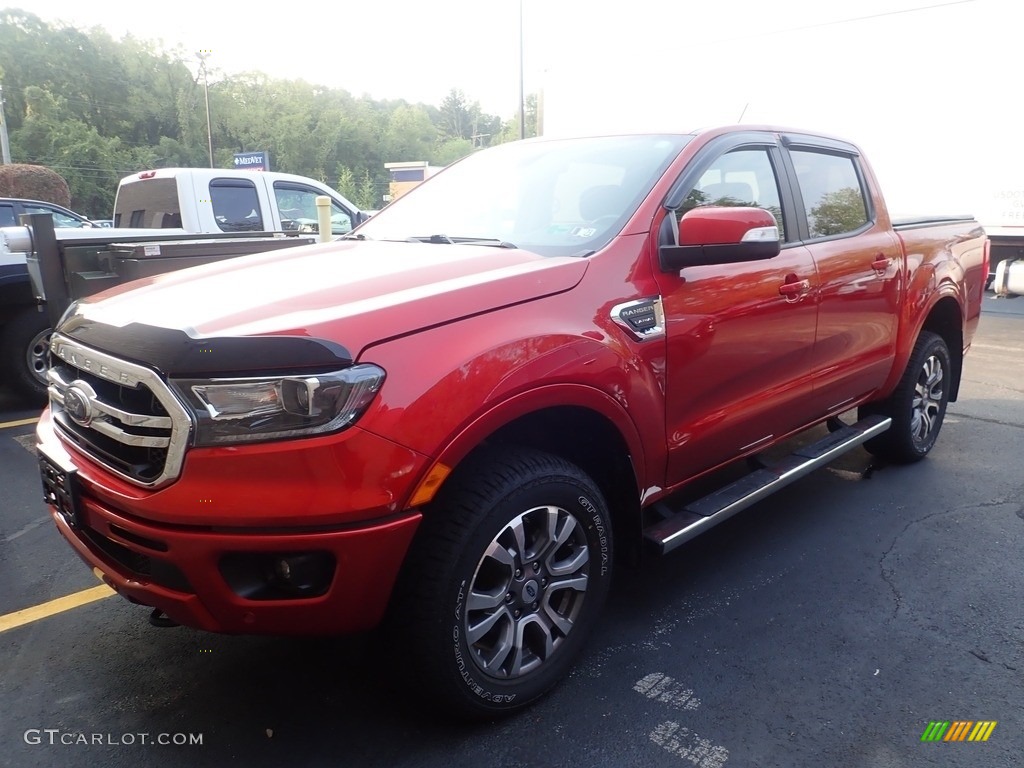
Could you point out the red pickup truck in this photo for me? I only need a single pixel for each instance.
(464, 413)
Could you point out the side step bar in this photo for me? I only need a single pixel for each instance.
(697, 516)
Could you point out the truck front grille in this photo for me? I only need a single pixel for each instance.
(121, 414)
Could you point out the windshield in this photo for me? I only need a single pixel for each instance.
(555, 198)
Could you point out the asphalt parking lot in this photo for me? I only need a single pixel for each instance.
(826, 626)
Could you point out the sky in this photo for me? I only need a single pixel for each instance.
(929, 89)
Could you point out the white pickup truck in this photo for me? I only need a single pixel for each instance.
(206, 200)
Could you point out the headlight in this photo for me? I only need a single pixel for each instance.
(247, 410)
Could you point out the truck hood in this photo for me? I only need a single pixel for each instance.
(351, 292)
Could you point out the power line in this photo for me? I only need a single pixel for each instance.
(852, 20)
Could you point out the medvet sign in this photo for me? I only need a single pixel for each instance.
(253, 161)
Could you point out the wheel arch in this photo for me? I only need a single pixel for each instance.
(946, 319)
(593, 433)
(15, 294)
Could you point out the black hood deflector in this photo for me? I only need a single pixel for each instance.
(174, 352)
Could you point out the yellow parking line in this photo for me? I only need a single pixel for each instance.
(18, 423)
(61, 604)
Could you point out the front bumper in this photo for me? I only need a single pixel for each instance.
(183, 568)
(186, 583)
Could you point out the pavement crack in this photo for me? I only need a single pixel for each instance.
(980, 655)
(887, 574)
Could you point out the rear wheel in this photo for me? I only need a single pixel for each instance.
(23, 348)
(506, 579)
(918, 405)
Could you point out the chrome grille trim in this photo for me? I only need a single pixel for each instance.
(87, 414)
(125, 417)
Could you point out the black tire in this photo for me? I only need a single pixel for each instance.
(917, 407)
(506, 579)
(23, 352)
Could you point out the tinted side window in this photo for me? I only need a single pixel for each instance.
(236, 206)
(743, 177)
(297, 204)
(833, 197)
(7, 217)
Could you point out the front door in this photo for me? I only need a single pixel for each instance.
(740, 337)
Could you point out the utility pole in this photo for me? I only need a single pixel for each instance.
(5, 146)
(522, 101)
(206, 90)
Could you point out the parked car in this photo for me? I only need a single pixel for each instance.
(12, 207)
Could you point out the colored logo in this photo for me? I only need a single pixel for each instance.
(958, 730)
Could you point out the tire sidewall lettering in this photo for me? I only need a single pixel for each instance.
(461, 649)
(598, 526)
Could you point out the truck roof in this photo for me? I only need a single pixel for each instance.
(167, 173)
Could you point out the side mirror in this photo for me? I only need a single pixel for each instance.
(719, 235)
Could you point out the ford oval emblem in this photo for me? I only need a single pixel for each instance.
(78, 405)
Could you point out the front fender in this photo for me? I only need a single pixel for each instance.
(443, 398)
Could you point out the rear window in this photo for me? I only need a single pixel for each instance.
(148, 203)
(236, 205)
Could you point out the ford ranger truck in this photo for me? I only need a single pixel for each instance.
(454, 422)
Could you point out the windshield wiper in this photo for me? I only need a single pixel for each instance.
(354, 236)
(445, 239)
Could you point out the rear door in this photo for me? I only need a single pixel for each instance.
(859, 263)
(739, 336)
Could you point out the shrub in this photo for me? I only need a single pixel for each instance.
(34, 182)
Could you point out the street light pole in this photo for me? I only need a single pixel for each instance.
(5, 147)
(522, 102)
(206, 90)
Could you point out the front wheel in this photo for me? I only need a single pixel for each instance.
(917, 407)
(506, 579)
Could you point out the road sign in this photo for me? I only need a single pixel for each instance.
(253, 161)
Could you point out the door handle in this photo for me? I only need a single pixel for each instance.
(795, 290)
(881, 263)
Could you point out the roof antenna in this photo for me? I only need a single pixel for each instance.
(743, 112)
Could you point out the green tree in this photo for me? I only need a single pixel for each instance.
(449, 151)
(410, 134)
(510, 129)
(347, 184)
(369, 196)
(97, 109)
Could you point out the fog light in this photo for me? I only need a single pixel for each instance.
(278, 575)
